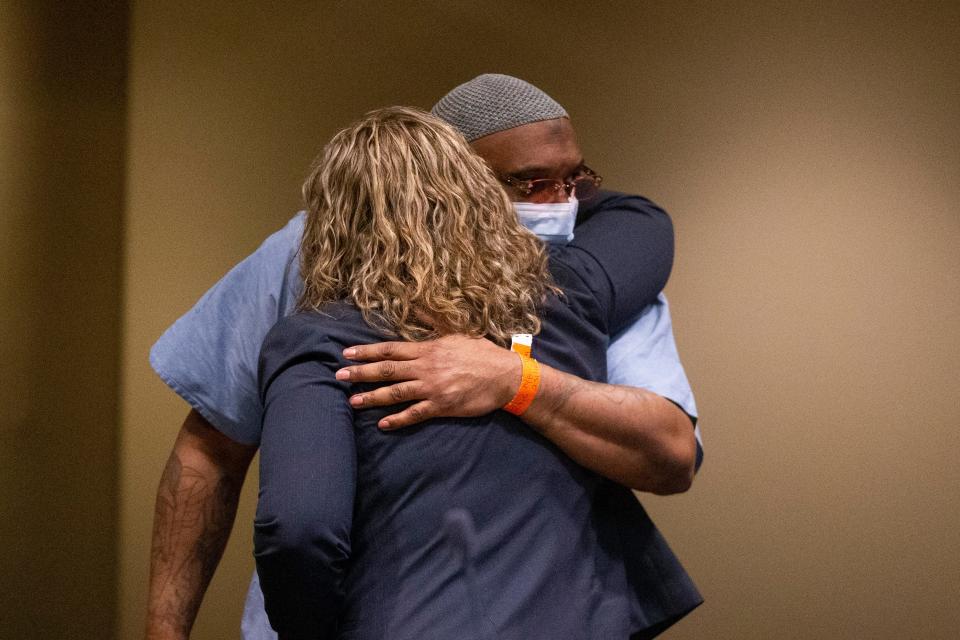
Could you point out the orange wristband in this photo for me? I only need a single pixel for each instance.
(529, 384)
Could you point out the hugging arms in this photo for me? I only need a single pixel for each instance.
(200, 487)
(350, 524)
(209, 358)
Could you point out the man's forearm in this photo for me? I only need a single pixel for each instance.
(195, 508)
(630, 435)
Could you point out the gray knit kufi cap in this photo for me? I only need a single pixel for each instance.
(494, 102)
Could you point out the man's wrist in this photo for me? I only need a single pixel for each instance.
(513, 378)
(529, 385)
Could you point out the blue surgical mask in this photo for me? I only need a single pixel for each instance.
(552, 221)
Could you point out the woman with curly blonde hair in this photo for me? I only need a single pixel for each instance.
(471, 527)
(409, 225)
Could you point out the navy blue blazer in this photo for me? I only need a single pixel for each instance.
(457, 527)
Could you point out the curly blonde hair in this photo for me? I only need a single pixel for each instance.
(407, 223)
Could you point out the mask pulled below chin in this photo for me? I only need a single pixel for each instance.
(551, 221)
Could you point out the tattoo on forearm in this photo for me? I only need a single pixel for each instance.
(567, 388)
(571, 386)
(193, 518)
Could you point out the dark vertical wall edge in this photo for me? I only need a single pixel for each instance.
(63, 123)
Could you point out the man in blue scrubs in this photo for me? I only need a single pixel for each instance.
(209, 357)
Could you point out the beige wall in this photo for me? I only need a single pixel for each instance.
(811, 161)
(62, 78)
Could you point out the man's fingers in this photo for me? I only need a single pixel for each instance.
(385, 371)
(383, 351)
(409, 416)
(386, 396)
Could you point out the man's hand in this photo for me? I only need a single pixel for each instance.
(196, 504)
(454, 376)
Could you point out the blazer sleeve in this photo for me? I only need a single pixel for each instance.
(623, 251)
(307, 481)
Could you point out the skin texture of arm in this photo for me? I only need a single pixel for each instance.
(629, 435)
(632, 436)
(195, 509)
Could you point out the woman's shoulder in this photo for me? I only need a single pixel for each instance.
(317, 337)
(310, 320)
(317, 334)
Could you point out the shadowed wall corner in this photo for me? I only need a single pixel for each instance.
(62, 123)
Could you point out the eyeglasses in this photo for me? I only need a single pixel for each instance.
(584, 185)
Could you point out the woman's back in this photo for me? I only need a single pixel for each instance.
(352, 531)
(538, 566)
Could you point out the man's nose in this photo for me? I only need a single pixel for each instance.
(558, 194)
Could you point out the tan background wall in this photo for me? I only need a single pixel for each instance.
(810, 158)
(62, 79)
